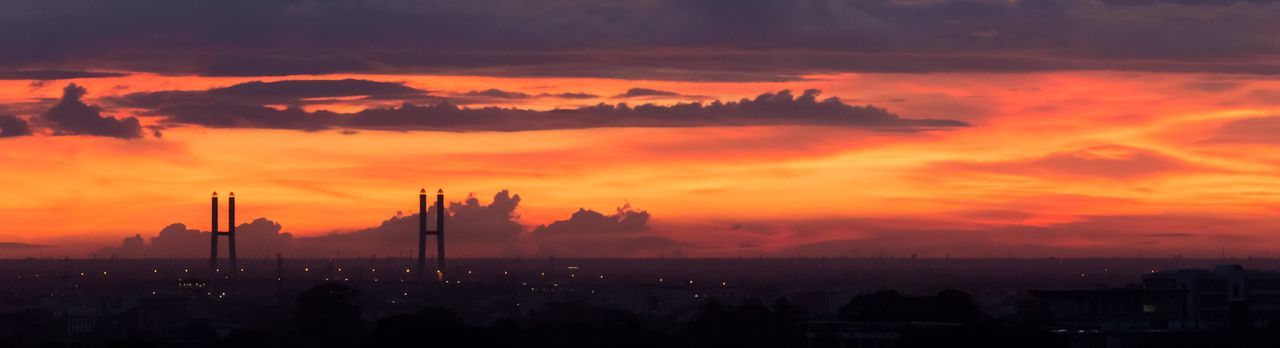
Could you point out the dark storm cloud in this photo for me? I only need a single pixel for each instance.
(493, 95)
(588, 222)
(494, 222)
(475, 229)
(71, 116)
(781, 108)
(317, 89)
(497, 94)
(246, 105)
(260, 238)
(588, 233)
(177, 240)
(233, 115)
(486, 229)
(572, 95)
(646, 92)
(289, 92)
(12, 126)
(45, 75)
(662, 39)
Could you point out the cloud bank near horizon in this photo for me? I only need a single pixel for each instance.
(280, 105)
(473, 229)
(213, 108)
(483, 230)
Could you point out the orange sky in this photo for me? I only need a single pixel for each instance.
(1140, 152)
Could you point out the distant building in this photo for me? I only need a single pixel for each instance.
(1113, 309)
(191, 287)
(1227, 295)
(80, 320)
(1188, 299)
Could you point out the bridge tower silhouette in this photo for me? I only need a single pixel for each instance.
(423, 233)
(230, 234)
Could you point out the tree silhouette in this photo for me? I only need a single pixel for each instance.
(577, 324)
(439, 325)
(328, 315)
(950, 305)
(751, 324)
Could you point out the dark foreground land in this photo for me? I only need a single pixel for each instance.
(801, 302)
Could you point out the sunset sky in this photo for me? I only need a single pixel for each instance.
(750, 128)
